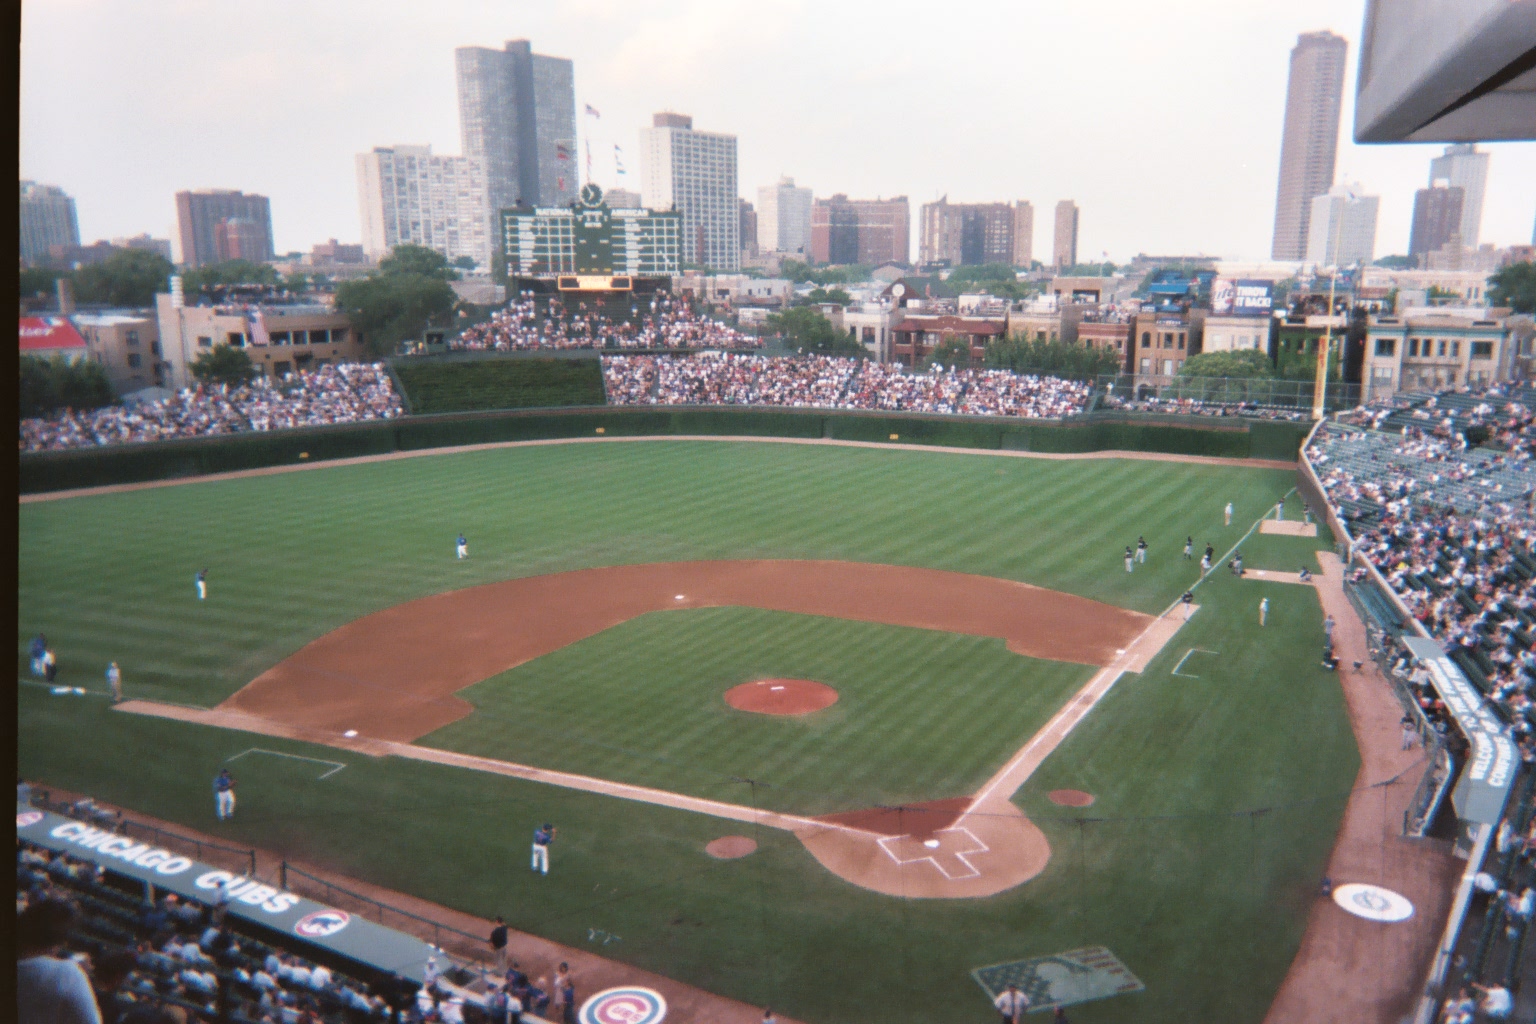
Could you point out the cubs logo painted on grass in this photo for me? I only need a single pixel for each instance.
(26, 818)
(321, 923)
(1372, 902)
(627, 1005)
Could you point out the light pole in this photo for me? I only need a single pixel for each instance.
(1320, 385)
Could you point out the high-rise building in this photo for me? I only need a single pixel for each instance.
(1023, 234)
(872, 231)
(694, 173)
(1310, 144)
(1342, 228)
(784, 217)
(47, 219)
(622, 199)
(1436, 218)
(199, 214)
(408, 196)
(517, 116)
(748, 227)
(967, 234)
(1064, 246)
(1463, 167)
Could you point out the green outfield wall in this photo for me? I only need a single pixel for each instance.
(190, 457)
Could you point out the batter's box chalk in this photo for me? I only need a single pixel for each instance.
(950, 855)
(1061, 979)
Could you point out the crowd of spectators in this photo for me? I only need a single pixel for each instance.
(345, 393)
(826, 382)
(1449, 525)
(94, 948)
(668, 322)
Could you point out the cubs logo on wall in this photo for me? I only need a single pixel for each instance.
(321, 924)
(26, 818)
(628, 1005)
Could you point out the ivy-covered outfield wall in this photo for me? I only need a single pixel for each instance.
(187, 457)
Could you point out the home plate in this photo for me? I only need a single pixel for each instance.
(350, 733)
(775, 687)
(932, 844)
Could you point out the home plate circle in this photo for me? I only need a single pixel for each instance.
(628, 1005)
(1372, 902)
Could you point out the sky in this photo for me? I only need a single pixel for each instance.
(1162, 121)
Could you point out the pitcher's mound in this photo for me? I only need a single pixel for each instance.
(1069, 797)
(781, 696)
(730, 847)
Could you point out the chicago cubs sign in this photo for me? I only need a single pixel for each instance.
(628, 1005)
(1372, 902)
(321, 923)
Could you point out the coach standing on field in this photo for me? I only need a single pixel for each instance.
(499, 946)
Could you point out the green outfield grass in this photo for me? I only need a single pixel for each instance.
(642, 703)
(1203, 900)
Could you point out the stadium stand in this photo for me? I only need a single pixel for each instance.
(346, 393)
(670, 323)
(825, 382)
(1437, 493)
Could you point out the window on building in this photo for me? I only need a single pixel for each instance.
(1146, 340)
(1482, 350)
(1455, 350)
(1442, 347)
(236, 339)
(1146, 365)
(131, 337)
(1181, 340)
(1386, 346)
(1381, 374)
(205, 343)
(281, 338)
(1167, 367)
(154, 348)
(1413, 346)
(133, 360)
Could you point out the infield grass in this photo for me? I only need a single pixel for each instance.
(1217, 797)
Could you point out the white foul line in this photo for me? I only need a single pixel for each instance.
(337, 765)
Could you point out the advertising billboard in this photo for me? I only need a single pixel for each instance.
(1241, 297)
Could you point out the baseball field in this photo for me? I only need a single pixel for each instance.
(958, 605)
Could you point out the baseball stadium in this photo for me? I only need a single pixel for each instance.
(839, 708)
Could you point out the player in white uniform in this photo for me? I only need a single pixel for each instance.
(202, 584)
(115, 682)
(463, 547)
(1229, 513)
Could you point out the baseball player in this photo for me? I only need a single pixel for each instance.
(202, 584)
(1189, 603)
(1263, 610)
(1141, 550)
(115, 682)
(542, 837)
(1189, 548)
(1130, 559)
(1228, 513)
(1280, 510)
(1012, 1004)
(224, 794)
(462, 547)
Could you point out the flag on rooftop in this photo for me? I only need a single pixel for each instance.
(592, 110)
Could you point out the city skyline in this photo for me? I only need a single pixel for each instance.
(1180, 195)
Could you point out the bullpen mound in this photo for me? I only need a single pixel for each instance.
(730, 847)
(781, 696)
(1069, 797)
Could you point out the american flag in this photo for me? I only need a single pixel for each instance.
(592, 110)
(258, 324)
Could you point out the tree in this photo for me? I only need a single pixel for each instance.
(1104, 269)
(296, 282)
(465, 263)
(129, 277)
(417, 259)
(388, 308)
(229, 272)
(37, 282)
(806, 330)
(1515, 286)
(223, 364)
(1437, 296)
(50, 384)
(1397, 262)
(1055, 358)
(952, 351)
(1247, 363)
(819, 295)
(803, 273)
